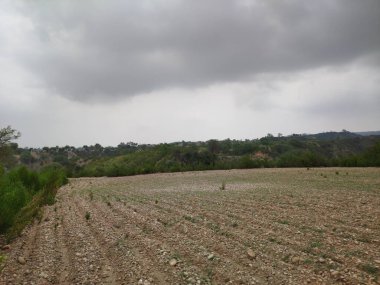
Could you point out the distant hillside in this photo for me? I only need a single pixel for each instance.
(372, 133)
(334, 135)
(323, 149)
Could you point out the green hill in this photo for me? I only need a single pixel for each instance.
(323, 149)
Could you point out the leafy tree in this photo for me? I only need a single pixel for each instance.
(213, 146)
(7, 135)
(26, 157)
(372, 156)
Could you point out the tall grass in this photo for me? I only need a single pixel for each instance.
(23, 192)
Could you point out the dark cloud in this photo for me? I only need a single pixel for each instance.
(93, 50)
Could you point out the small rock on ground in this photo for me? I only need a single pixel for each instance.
(173, 262)
(21, 260)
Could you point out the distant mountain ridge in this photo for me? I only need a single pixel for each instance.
(334, 135)
(369, 133)
(339, 135)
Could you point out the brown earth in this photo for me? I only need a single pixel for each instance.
(268, 226)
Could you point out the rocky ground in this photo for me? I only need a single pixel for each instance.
(267, 226)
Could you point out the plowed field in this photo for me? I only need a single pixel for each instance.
(267, 226)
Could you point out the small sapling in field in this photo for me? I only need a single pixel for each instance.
(87, 216)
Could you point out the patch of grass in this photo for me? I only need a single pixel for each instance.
(284, 222)
(214, 227)
(207, 278)
(358, 253)
(176, 256)
(233, 216)
(120, 242)
(209, 273)
(315, 244)
(147, 230)
(226, 234)
(272, 239)
(164, 223)
(217, 229)
(234, 224)
(286, 258)
(87, 216)
(312, 245)
(364, 239)
(370, 269)
(223, 187)
(3, 258)
(308, 261)
(318, 230)
(190, 219)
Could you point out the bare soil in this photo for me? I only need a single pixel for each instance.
(268, 226)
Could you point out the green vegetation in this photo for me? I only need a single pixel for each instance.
(190, 219)
(370, 269)
(3, 258)
(22, 191)
(312, 245)
(7, 148)
(87, 216)
(326, 149)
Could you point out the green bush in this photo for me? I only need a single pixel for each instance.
(52, 176)
(23, 192)
(13, 197)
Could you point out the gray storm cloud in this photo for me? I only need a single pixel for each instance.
(103, 50)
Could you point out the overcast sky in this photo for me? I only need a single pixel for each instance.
(86, 72)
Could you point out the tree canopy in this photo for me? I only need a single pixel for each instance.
(8, 134)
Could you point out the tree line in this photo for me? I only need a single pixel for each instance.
(298, 150)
